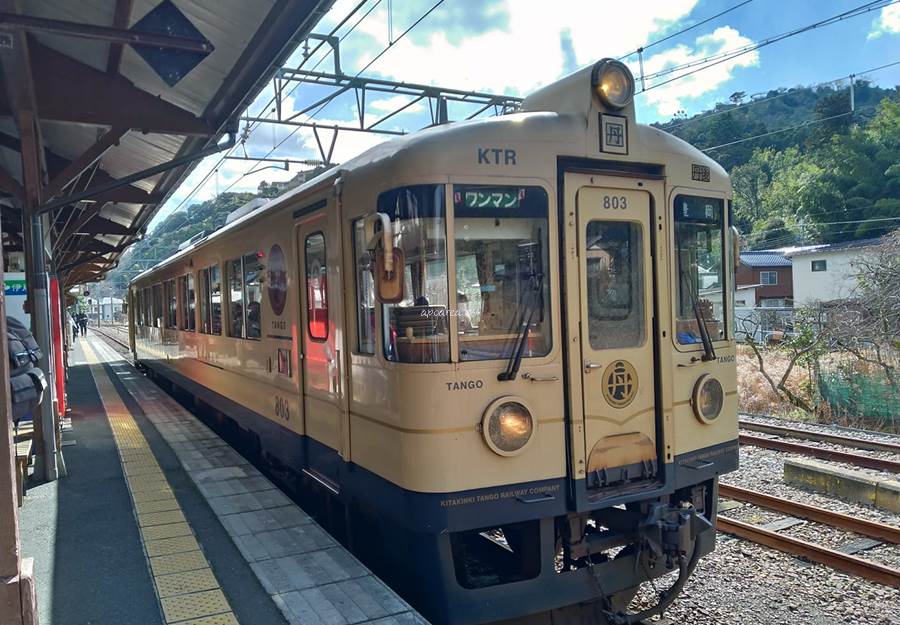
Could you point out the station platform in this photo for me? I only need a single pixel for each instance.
(160, 521)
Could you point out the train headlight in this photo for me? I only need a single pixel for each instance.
(612, 83)
(508, 426)
(708, 399)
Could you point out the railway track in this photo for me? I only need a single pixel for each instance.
(832, 558)
(881, 464)
(847, 441)
(111, 336)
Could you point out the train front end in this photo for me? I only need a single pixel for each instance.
(558, 358)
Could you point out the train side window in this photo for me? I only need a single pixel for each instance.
(416, 329)
(234, 276)
(138, 305)
(171, 318)
(157, 306)
(188, 303)
(148, 307)
(204, 301)
(215, 300)
(365, 291)
(316, 287)
(615, 284)
(252, 295)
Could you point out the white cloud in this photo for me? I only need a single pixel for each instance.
(527, 54)
(668, 98)
(887, 23)
(386, 105)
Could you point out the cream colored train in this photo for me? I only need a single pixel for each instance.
(504, 348)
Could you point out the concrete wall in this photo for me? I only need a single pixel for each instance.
(835, 282)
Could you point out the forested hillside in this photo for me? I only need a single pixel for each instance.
(834, 177)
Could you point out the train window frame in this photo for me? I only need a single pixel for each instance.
(364, 291)
(324, 291)
(727, 276)
(205, 300)
(529, 191)
(188, 304)
(157, 305)
(242, 264)
(407, 353)
(170, 305)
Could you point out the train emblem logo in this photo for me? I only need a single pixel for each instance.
(277, 288)
(620, 384)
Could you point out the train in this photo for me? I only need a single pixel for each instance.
(499, 352)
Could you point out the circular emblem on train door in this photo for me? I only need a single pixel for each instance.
(277, 283)
(620, 383)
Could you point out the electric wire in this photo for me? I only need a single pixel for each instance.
(250, 128)
(684, 30)
(716, 59)
(670, 128)
(367, 66)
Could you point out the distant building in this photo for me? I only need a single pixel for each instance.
(771, 276)
(825, 273)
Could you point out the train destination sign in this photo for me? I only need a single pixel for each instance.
(490, 198)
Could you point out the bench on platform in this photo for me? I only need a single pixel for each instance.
(24, 442)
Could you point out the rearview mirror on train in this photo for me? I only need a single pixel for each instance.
(389, 284)
(389, 262)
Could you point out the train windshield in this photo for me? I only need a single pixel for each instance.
(700, 268)
(501, 270)
(416, 329)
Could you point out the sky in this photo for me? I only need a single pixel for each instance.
(515, 46)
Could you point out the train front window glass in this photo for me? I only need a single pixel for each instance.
(365, 291)
(501, 270)
(615, 284)
(171, 304)
(234, 275)
(416, 329)
(253, 268)
(699, 268)
(215, 300)
(316, 287)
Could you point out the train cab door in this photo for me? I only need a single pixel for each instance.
(615, 347)
(320, 300)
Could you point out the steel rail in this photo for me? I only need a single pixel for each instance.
(837, 560)
(823, 454)
(111, 338)
(837, 439)
(881, 531)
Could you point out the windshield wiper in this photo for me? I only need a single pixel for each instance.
(530, 305)
(709, 352)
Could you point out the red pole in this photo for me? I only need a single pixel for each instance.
(57, 338)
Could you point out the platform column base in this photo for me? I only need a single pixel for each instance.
(18, 599)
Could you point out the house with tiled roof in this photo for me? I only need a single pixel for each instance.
(772, 276)
(826, 273)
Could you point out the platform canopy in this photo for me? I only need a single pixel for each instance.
(107, 105)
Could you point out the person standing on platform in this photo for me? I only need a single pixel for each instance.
(74, 325)
(82, 323)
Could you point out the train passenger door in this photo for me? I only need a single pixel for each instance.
(615, 310)
(322, 393)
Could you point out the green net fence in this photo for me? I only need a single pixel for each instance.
(864, 396)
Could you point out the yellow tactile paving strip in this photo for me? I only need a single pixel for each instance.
(188, 591)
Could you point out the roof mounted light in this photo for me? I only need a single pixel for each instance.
(612, 84)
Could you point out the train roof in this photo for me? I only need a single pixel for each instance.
(554, 114)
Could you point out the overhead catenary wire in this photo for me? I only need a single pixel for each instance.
(716, 59)
(684, 30)
(251, 127)
(670, 128)
(367, 66)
